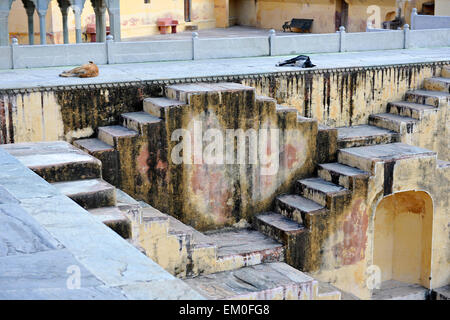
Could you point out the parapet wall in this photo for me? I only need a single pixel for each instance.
(110, 52)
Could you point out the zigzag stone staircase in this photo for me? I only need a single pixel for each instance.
(222, 265)
(299, 218)
(233, 263)
(421, 119)
(225, 264)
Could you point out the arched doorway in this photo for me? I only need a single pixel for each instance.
(402, 237)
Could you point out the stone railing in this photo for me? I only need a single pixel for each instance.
(420, 22)
(18, 56)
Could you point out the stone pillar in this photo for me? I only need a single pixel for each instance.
(29, 8)
(41, 8)
(222, 13)
(5, 6)
(100, 19)
(341, 39)
(413, 18)
(64, 7)
(114, 18)
(272, 35)
(77, 7)
(42, 27)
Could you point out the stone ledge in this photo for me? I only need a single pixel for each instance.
(109, 261)
(216, 78)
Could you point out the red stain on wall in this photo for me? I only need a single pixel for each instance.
(352, 249)
(290, 156)
(142, 162)
(208, 182)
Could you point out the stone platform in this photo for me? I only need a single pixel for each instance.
(201, 70)
(46, 240)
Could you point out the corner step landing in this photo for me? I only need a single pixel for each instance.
(245, 247)
(364, 135)
(277, 226)
(90, 193)
(56, 161)
(270, 281)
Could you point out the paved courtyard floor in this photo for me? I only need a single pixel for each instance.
(48, 77)
(231, 32)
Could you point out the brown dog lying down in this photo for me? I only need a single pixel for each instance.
(88, 70)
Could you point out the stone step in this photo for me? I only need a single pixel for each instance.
(159, 107)
(396, 290)
(238, 248)
(196, 238)
(265, 103)
(283, 108)
(183, 92)
(445, 72)
(442, 293)
(268, 281)
(277, 226)
(326, 144)
(394, 122)
(442, 164)
(364, 158)
(341, 174)
(105, 153)
(410, 109)
(56, 161)
(139, 121)
(288, 113)
(437, 84)
(89, 193)
(320, 190)
(112, 134)
(115, 219)
(364, 135)
(176, 228)
(428, 97)
(326, 291)
(297, 208)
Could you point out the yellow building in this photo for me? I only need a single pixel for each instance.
(138, 18)
(328, 15)
(442, 8)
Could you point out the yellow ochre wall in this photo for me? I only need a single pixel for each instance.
(137, 18)
(441, 8)
(403, 233)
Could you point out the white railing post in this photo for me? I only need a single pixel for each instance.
(194, 44)
(14, 44)
(406, 44)
(413, 18)
(109, 44)
(341, 39)
(272, 35)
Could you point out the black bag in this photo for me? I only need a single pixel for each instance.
(300, 61)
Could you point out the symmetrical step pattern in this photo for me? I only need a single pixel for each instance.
(182, 250)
